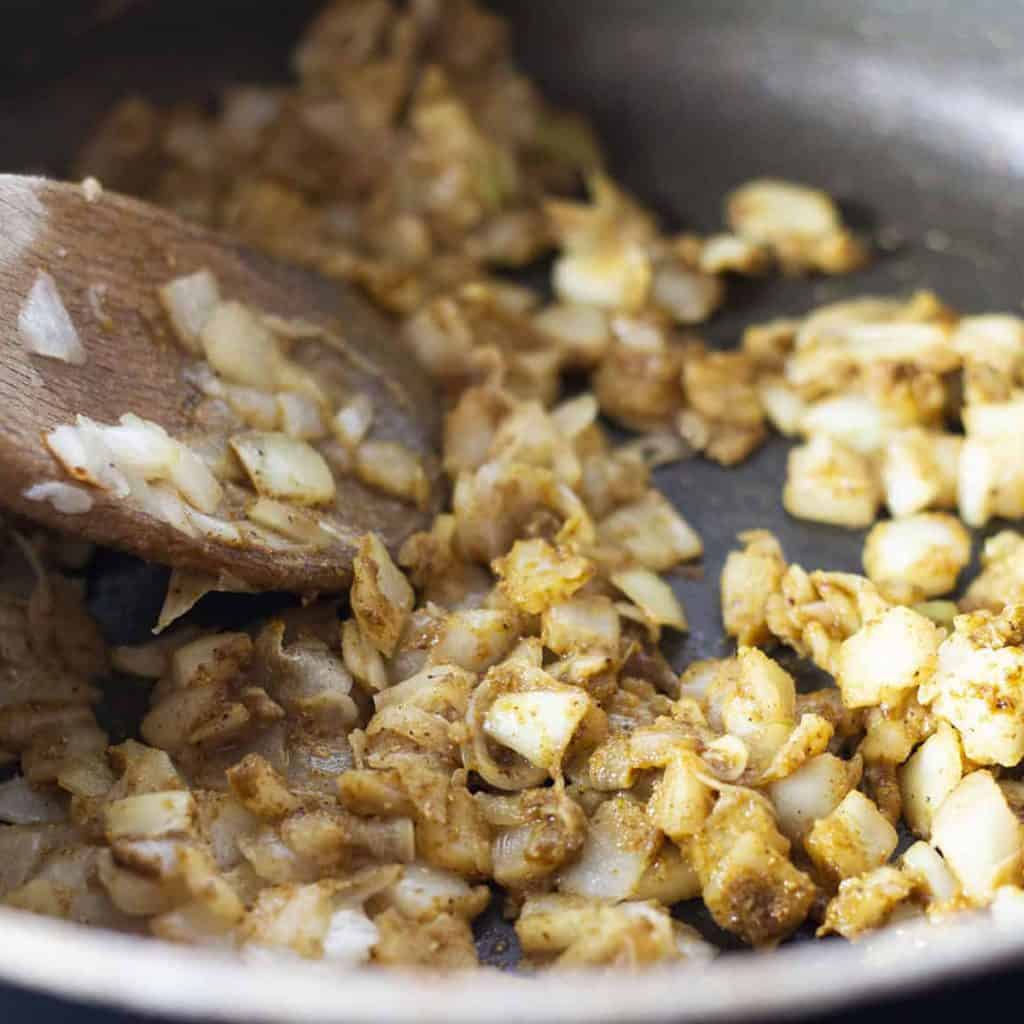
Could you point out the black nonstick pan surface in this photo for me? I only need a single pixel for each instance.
(911, 112)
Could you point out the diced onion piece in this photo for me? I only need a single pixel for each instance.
(281, 467)
(185, 588)
(45, 326)
(189, 302)
(829, 483)
(572, 417)
(929, 869)
(300, 416)
(350, 937)
(729, 253)
(210, 660)
(91, 189)
(581, 332)
(392, 468)
(537, 724)
(930, 775)
(767, 210)
(617, 276)
(240, 347)
(652, 532)
(581, 623)
(352, 422)
(151, 816)
(23, 804)
(976, 688)
(688, 296)
(68, 499)
(83, 452)
(920, 470)
(140, 447)
(979, 835)
(783, 406)
(534, 575)
(894, 652)
(921, 554)
(258, 408)
(813, 791)
(195, 481)
(475, 639)
(220, 530)
(680, 802)
(291, 522)
(381, 596)
(619, 848)
(161, 501)
(854, 838)
(423, 892)
(653, 596)
(852, 420)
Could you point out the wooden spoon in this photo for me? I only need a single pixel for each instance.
(108, 257)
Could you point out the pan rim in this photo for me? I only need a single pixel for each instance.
(79, 963)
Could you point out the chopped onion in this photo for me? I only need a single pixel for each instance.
(296, 524)
(189, 302)
(300, 416)
(240, 347)
(23, 804)
(65, 498)
(220, 530)
(91, 189)
(620, 846)
(538, 724)
(282, 467)
(353, 420)
(653, 596)
(350, 937)
(258, 408)
(193, 478)
(688, 296)
(390, 467)
(140, 447)
(45, 326)
(83, 452)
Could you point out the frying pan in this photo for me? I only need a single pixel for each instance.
(910, 111)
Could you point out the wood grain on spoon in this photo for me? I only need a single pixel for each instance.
(124, 250)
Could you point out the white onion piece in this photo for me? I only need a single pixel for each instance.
(92, 189)
(189, 302)
(614, 858)
(538, 724)
(45, 326)
(21, 804)
(258, 408)
(193, 478)
(240, 347)
(423, 892)
(281, 467)
(185, 588)
(220, 530)
(162, 502)
(65, 498)
(653, 596)
(300, 417)
(82, 450)
(353, 420)
(350, 937)
(140, 447)
(291, 522)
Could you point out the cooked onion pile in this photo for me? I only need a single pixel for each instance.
(490, 704)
